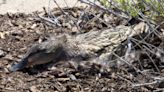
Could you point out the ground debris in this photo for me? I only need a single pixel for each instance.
(141, 64)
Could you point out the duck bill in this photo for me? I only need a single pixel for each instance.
(19, 66)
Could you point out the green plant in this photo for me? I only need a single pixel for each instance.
(150, 8)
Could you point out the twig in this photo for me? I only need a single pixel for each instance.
(157, 81)
(49, 20)
(137, 70)
(144, 84)
(105, 9)
(65, 13)
(151, 59)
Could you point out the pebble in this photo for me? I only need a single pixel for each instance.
(2, 53)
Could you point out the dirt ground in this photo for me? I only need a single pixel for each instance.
(19, 31)
(29, 6)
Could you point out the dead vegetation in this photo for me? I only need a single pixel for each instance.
(138, 61)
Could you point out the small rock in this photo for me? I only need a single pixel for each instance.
(17, 33)
(6, 70)
(2, 35)
(34, 89)
(9, 57)
(74, 30)
(52, 68)
(72, 77)
(2, 53)
(33, 26)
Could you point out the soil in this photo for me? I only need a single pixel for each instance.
(19, 31)
(24, 6)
